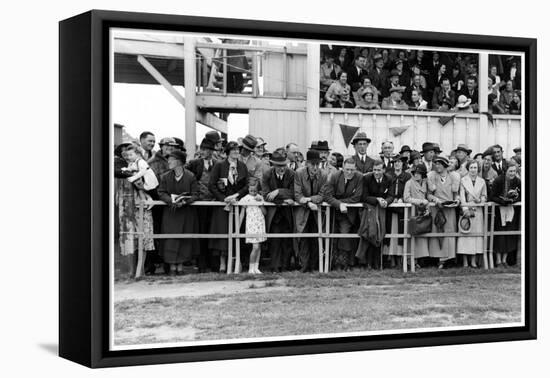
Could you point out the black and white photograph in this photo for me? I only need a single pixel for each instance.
(266, 189)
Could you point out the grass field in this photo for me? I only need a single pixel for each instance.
(216, 306)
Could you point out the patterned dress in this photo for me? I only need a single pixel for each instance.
(255, 220)
(127, 199)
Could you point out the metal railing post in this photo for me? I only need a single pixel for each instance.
(327, 239)
(237, 240)
(320, 239)
(405, 241)
(413, 263)
(491, 236)
(485, 227)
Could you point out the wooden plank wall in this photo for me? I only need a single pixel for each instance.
(505, 131)
(279, 127)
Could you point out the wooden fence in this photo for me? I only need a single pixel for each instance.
(324, 234)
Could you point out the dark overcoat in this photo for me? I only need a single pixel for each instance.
(336, 192)
(303, 185)
(182, 220)
(365, 167)
(219, 224)
(286, 191)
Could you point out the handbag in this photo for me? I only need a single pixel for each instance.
(420, 224)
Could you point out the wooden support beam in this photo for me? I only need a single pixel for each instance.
(204, 118)
(190, 85)
(148, 48)
(239, 101)
(313, 87)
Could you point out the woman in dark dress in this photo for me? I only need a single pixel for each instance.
(178, 188)
(228, 183)
(506, 191)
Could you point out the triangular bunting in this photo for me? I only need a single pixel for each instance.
(348, 132)
(398, 130)
(446, 119)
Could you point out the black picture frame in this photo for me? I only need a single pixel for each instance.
(84, 208)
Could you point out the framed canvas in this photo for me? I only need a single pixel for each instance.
(255, 188)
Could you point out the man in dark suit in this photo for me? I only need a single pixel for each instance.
(379, 76)
(471, 92)
(308, 182)
(201, 168)
(444, 98)
(363, 162)
(499, 163)
(344, 187)
(278, 187)
(377, 196)
(356, 73)
(387, 156)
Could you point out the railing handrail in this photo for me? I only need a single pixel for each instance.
(270, 49)
(324, 204)
(415, 112)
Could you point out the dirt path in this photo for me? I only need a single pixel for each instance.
(146, 290)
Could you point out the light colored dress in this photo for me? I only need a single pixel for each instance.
(443, 189)
(255, 220)
(414, 193)
(471, 245)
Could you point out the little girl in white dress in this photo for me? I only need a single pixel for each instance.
(255, 224)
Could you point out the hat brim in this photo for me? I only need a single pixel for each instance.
(464, 105)
(468, 151)
(279, 163)
(461, 228)
(247, 147)
(368, 140)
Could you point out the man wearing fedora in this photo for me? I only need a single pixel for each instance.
(217, 140)
(395, 101)
(322, 147)
(252, 162)
(376, 197)
(278, 187)
(308, 182)
(363, 162)
(428, 154)
(462, 153)
(201, 168)
(499, 163)
(343, 188)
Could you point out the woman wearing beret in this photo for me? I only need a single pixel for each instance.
(506, 191)
(473, 191)
(416, 193)
(228, 183)
(178, 188)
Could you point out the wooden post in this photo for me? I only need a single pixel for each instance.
(405, 240)
(491, 236)
(313, 114)
(141, 257)
(224, 52)
(255, 74)
(285, 72)
(327, 240)
(237, 241)
(205, 74)
(319, 239)
(485, 226)
(413, 263)
(230, 242)
(190, 83)
(483, 92)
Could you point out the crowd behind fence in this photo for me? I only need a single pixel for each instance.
(324, 234)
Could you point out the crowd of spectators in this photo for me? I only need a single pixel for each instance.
(396, 79)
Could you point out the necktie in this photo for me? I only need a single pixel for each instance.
(362, 158)
(231, 176)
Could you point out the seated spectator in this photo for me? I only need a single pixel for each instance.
(379, 76)
(329, 72)
(356, 73)
(444, 98)
(393, 83)
(343, 58)
(435, 79)
(493, 74)
(367, 85)
(506, 94)
(495, 107)
(336, 89)
(471, 93)
(457, 79)
(418, 82)
(344, 101)
(367, 101)
(417, 102)
(463, 105)
(404, 76)
(515, 104)
(395, 101)
(491, 88)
